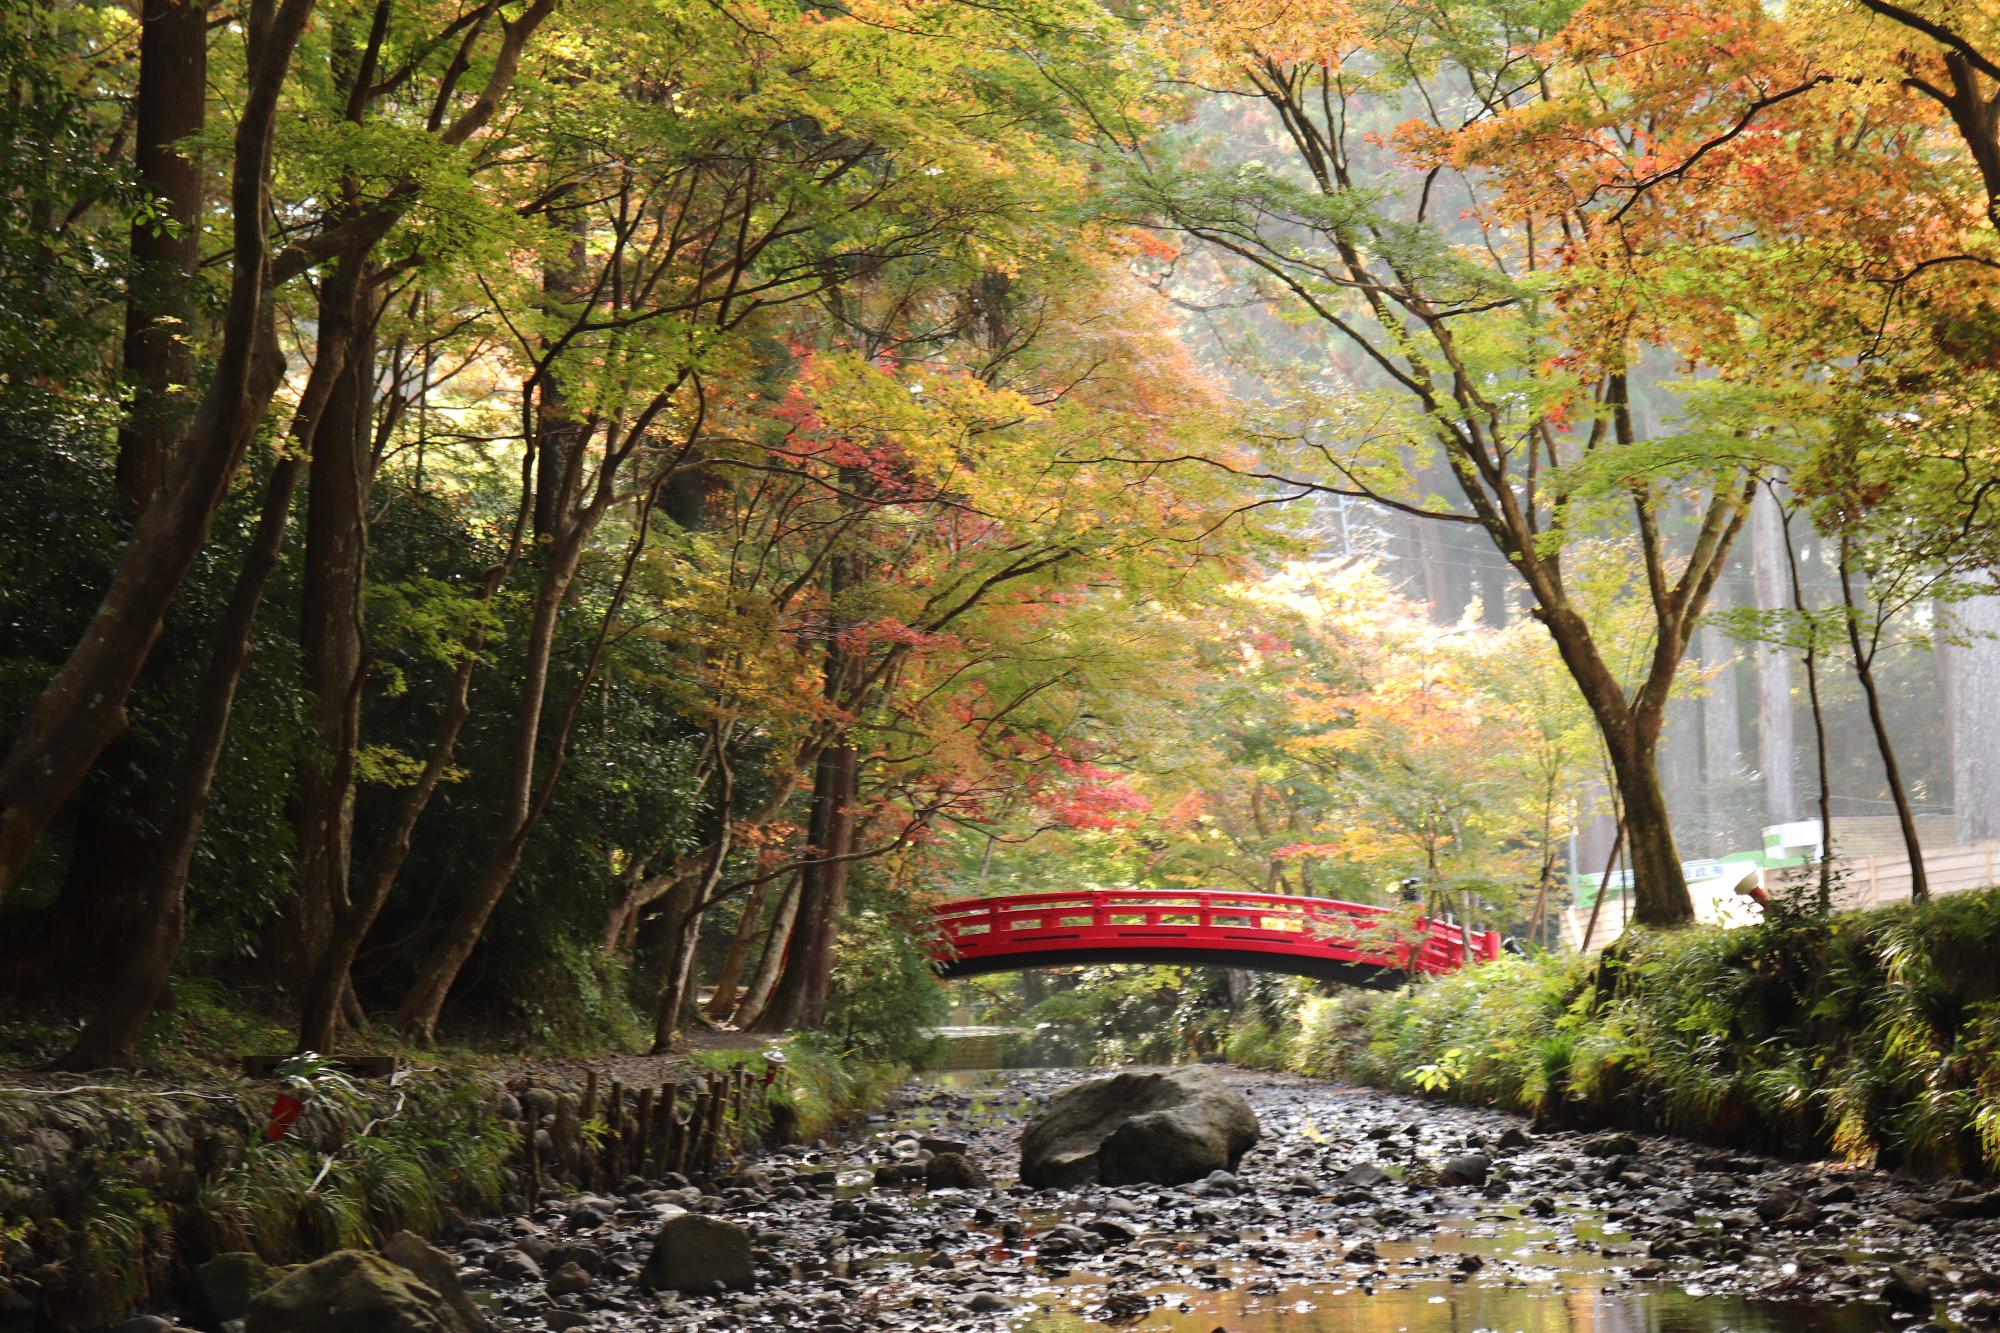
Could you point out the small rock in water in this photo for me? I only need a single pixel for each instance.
(1907, 1288)
(1465, 1169)
(954, 1170)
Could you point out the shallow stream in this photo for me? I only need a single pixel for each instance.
(1357, 1210)
(1568, 1273)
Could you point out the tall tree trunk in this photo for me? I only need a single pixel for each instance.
(526, 802)
(1824, 901)
(423, 1002)
(331, 637)
(1631, 733)
(799, 1000)
(684, 917)
(169, 109)
(1649, 836)
(757, 995)
(137, 981)
(1864, 667)
(82, 708)
(729, 976)
(329, 990)
(1774, 665)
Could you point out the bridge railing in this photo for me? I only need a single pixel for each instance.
(1363, 932)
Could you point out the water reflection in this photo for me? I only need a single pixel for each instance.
(1442, 1308)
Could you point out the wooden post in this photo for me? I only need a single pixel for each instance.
(712, 1140)
(684, 1130)
(534, 1189)
(614, 1132)
(642, 1145)
(670, 1122)
(697, 1130)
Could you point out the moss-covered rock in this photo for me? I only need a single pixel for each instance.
(352, 1291)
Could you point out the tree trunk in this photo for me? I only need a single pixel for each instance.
(1631, 733)
(169, 109)
(82, 708)
(1864, 667)
(419, 1011)
(1649, 835)
(730, 975)
(1774, 665)
(120, 812)
(799, 1000)
(1824, 900)
(757, 995)
(137, 981)
(684, 917)
(329, 986)
(330, 627)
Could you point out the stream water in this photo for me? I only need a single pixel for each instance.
(1569, 1273)
(1357, 1212)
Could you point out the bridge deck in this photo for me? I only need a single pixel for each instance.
(1321, 937)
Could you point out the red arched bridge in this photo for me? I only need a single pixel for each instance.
(1314, 937)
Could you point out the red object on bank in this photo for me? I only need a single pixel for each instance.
(283, 1112)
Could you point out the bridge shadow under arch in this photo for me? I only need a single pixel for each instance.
(1374, 976)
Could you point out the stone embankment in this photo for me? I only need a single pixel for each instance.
(112, 1197)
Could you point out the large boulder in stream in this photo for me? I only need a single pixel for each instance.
(1164, 1127)
(696, 1253)
(351, 1291)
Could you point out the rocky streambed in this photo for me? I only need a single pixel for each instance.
(1355, 1209)
(1430, 1216)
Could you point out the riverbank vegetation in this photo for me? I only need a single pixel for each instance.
(1873, 1038)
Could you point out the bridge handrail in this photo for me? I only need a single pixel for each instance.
(974, 924)
(1164, 899)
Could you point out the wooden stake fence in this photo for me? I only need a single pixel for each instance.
(672, 1127)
